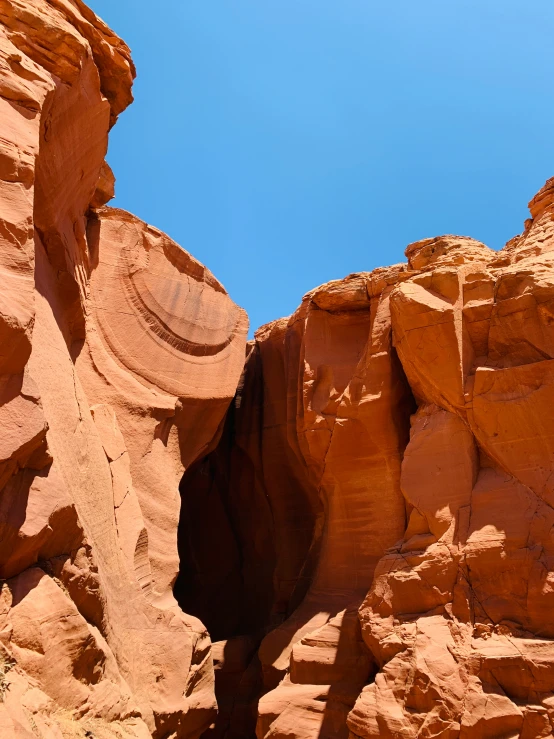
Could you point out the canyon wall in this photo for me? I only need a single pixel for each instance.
(356, 508)
(384, 486)
(119, 355)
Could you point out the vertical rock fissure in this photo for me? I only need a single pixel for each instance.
(269, 482)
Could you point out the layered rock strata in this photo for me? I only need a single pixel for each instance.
(119, 354)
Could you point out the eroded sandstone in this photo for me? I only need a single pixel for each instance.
(356, 508)
(120, 354)
(412, 409)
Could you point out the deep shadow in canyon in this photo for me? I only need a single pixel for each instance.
(229, 573)
(253, 522)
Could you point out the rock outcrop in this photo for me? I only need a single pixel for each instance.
(458, 616)
(119, 354)
(359, 516)
(384, 485)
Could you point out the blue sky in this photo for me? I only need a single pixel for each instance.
(285, 143)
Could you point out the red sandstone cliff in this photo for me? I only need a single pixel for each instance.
(385, 482)
(364, 524)
(416, 400)
(119, 354)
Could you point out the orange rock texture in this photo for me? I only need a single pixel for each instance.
(384, 501)
(359, 517)
(418, 397)
(119, 354)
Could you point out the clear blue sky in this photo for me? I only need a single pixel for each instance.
(285, 143)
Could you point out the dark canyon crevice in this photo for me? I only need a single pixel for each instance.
(257, 541)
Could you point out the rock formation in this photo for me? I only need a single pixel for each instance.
(356, 509)
(119, 354)
(385, 515)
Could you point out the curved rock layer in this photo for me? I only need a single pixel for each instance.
(119, 355)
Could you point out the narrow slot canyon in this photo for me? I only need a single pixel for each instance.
(340, 530)
(281, 526)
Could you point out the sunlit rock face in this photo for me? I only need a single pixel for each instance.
(119, 354)
(384, 482)
(356, 507)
